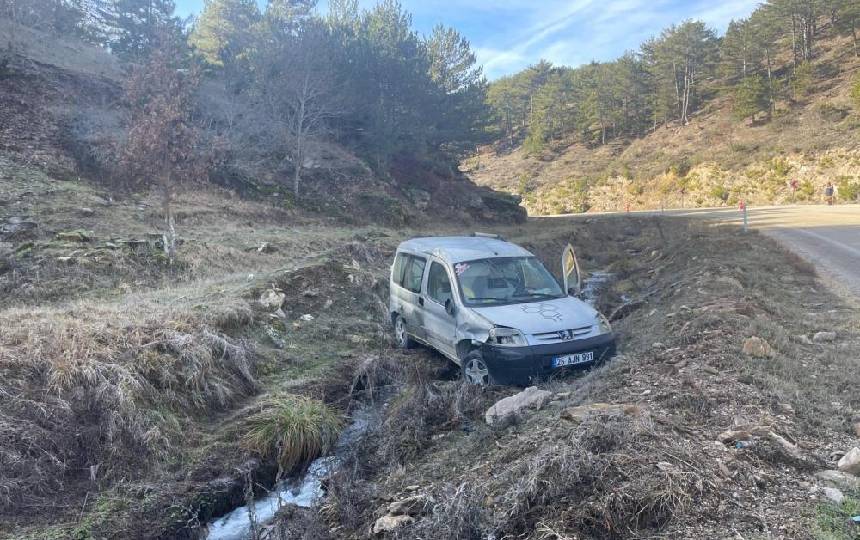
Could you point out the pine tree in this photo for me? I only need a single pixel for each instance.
(224, 30)
(750, 98)
(138, 24)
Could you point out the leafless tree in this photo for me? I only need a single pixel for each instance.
(161, 147)
(299, 85)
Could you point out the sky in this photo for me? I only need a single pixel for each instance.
(509, 35)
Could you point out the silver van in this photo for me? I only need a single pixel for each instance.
(493, 309)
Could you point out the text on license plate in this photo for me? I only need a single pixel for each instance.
(573, 359)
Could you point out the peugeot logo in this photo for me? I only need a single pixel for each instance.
(565, 335)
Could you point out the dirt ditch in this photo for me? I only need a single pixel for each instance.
(688, 433)
(700, 437)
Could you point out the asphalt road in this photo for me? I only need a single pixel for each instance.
(827, 236)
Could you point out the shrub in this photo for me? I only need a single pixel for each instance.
(720, 192)
(294, 430)
(848, 188)
(855, 92)
(780, 167)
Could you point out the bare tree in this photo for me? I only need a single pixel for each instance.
(299, 85)
(161, 147)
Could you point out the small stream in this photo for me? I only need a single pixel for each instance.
(301, 491)
(593, 286)
(305, 490)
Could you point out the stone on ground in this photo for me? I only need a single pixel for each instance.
(850, 462)
(390, 523)
(758, 348)
(530, 398)
(824, 337)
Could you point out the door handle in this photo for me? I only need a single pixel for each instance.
(420, 301)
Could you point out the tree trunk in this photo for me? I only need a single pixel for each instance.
(854, 35)
(794, 38)
(169, 237)
(771, 97)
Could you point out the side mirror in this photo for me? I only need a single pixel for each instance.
(449, 307)
(573, 291)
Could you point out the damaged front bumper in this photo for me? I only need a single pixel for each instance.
(522, 365)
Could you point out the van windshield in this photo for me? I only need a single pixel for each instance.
(505, 280)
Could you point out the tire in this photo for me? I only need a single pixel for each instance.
(401, 337)
(476, 371)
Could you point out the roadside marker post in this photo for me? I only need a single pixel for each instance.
(742, 206)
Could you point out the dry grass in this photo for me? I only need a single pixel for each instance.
(292, 430)
(94, 391)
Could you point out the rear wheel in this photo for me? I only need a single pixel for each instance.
(401, 337)
(476, 371)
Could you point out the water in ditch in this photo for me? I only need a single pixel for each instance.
(301, 491)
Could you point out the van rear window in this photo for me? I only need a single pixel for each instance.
(408, 271)
(400, 263)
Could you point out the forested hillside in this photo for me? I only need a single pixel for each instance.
(689, 118)
(314, 111)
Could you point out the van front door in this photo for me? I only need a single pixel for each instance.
(440, 325)
(570, 272)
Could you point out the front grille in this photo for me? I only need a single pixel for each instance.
(562, 335)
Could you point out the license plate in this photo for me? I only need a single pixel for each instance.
(573, 359)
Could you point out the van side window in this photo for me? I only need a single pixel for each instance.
(400, 264)
(414, 274)
(438, 283)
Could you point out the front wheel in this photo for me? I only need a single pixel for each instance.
(476, 371)
(401, 337)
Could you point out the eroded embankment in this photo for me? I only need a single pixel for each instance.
(717, 413)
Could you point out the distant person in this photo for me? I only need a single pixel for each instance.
(829, 193)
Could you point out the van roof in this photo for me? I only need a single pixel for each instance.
(455, 249)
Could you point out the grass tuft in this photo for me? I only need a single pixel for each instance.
(294, 430)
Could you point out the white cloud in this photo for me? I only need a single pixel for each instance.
(575, 33)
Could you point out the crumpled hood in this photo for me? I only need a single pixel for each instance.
(539, 317)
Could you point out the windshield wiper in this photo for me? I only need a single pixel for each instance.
(536, 294)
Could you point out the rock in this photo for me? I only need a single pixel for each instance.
(410, 506)
(833, 494)
(824, 337)
(530, 398)
(390, 523)
(730, 281)
(581, 412)
(16, 225)
(838, 480)
(730, 436)
(803, 339)
(857, 429)
(850, 462)
(86, 212)
(272, 299)
(75, 236)
(307, 317)
(757, 348)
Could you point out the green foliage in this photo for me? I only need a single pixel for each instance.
(848, 188)
(293, 430)
(806, 190)
(780, 167)
(222, 33)
(720, 192)
(750, 97)
(855, 92)
(832, 521)
(139, 24)
(801, 81)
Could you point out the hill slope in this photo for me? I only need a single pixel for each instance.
(715, 159)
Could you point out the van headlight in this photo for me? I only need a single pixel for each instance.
(603, 324)
(507, 337)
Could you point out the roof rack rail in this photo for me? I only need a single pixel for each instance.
(487, 235)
